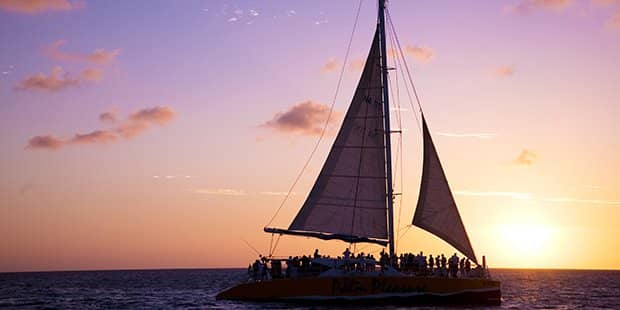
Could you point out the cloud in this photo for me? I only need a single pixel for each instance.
(134, 125)
(604, 3)
(357, 64)
(49, 142)
(306, 118)
(130, 129)
(527, 196)
(524, 7)
(58, 80)
(585, 201)
(108, 117)
(504, 71)
(160, 115)
(97, 57)
(514, 195)
(422, 54)
(94, 137)
(614, 21)
(219, 191)
(38, 6)
(331, 65)
(277, 193)
(468, 135)
(526, 157)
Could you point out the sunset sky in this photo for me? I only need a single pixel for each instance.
(164, 134)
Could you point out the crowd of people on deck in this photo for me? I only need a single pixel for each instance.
(408, 263)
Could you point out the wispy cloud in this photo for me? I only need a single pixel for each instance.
(468, 135)
(50, 142)
(357, 64)
(604, 3)
(331, 65)
(135, 124)
(504, 71)
(526, 157)
(614, 21)
(306, 118)
(94, 137)
(58, 80)
(584, 201)
(530, 196)
(39, 6)
(276, 193)
(422, 54)
(514, 195)
(524, 7)
(219, 191)
(109, 116)
(160, 115)
(97, 57)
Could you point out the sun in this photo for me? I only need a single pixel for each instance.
(526, 239)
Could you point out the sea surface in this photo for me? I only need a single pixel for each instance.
(196, 289)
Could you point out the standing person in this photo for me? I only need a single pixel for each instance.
(467, 266)
(443, 264)
(431, 263)
(346, 254)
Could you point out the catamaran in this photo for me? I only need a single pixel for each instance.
(352, 201)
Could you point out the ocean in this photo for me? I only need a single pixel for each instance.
(196, 289)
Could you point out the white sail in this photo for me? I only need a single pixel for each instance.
(436, 211)
(349, 196)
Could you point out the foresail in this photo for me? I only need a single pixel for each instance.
(436, 211)
(349, 195)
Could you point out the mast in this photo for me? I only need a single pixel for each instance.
(386, 117)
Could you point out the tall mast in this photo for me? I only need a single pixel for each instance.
(388, 133)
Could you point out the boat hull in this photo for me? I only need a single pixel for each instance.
(369, 289)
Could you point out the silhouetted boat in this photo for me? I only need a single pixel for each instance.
(352, 201)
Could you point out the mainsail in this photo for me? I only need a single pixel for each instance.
(348, 200)
(436, 211)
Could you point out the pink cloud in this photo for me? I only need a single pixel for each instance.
(108, 117)
(45, 142)
(306, 118)
(97, 136)
(422, 54)
(357, 64)
(614, 21)
(160, 115)
(38, 6)
(57, 80)
(604, 3)
(131, 129)
(504, 71)
(134, 125)
(527, 6)
(97, 57)
(331, 65)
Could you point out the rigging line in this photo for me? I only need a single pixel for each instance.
(399, 152)
(415, 92)
(251, 247)
(391, 28)
(275, 245)
(405, 232)
(398, 160)
(270, 244)
(329, 115)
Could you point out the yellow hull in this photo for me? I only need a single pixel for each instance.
(400, 289)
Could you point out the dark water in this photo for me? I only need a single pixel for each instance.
(196, 289)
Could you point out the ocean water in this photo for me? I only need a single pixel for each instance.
(196, 289)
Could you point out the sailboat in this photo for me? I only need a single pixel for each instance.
(352, 201)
